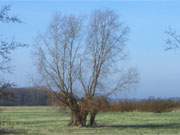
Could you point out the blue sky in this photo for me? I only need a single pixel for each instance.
(159, 70)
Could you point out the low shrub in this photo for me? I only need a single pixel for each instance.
(148, 105)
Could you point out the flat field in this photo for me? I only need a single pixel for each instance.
(52, 121)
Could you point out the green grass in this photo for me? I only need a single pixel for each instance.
(50, 121)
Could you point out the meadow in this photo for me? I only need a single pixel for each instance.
(53, 121)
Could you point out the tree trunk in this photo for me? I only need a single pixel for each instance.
(79, 113)
(92, 121)
(78, 118)
(84, 118)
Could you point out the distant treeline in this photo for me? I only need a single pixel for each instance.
(44, 97)
(24, 97)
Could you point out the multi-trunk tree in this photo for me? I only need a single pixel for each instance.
(81, 61)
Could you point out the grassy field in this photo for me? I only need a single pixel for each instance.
(50, 121)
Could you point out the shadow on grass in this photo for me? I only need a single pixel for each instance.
(11, 131)
(139, 126)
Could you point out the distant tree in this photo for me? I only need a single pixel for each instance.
(6, 47)
(81, 62)
(3, 87)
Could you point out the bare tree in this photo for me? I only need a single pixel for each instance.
(81, 62)
(173, 39)
(7, 47)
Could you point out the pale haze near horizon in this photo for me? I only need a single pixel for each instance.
(159, 70)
